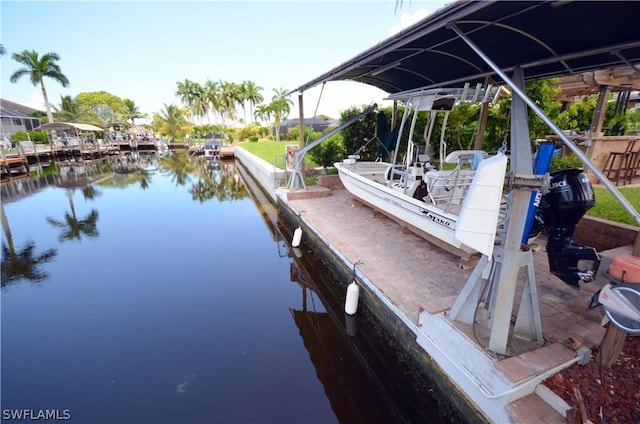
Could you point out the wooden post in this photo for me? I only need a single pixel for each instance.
(601, 111)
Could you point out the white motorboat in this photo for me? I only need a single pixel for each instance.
(456, 209)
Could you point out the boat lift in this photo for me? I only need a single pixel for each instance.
(511, 257)
(296, 181)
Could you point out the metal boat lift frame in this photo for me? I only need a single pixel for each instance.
(513, 257)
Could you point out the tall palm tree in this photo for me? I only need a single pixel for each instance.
(213, 94)
(131, 111)
(186, 92)
(251, 93)
(229, 99)
(200, 103)
(38, 68)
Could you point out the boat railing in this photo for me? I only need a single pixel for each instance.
(449, 188)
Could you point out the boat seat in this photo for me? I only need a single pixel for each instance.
(465, 156)
(448, 187)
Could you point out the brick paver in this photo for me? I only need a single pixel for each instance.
(415, 275)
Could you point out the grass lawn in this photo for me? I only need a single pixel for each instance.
(607, 207)
(269, 150)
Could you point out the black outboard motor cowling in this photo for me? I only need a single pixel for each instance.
(570, 196)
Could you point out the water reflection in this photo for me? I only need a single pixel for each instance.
(364, 379)
(74, 228)
(216, 180)
(204, 179)
(134, 168)
(179, 166)
(22, 263)
(195, 322)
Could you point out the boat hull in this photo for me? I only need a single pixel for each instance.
(421, 218)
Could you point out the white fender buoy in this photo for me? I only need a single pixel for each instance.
(297, 252)
(351, 302)
(297, 237)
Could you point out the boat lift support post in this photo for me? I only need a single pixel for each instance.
(521, 184)
(296, 181)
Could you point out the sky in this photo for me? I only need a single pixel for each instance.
(141, 50)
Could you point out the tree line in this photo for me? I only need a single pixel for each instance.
(219, 100)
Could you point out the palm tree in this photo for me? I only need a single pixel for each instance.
(37, 68)
(69, 110)
(131, 111)
(172, 121)
(213, 94)
(229, 99)
(186, 92)
(200, 103)
(280, 107)
(251, 93)
(263, 113)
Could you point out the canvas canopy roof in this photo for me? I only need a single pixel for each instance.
(545, 38)
(65, 126)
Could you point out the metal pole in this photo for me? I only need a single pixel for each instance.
(575, 149)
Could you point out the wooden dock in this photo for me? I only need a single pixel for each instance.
(228, 151)
(13, 167)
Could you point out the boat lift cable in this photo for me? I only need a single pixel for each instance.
(314, 113)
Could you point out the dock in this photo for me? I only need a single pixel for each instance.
(419, 282)
(410, 285)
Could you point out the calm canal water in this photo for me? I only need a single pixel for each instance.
(161, 291)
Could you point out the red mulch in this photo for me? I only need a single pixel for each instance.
(611, 395)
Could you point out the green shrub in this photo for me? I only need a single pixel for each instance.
(39, 136)
(19, 136)
(329, 151)
(565, 162)
(253, 138)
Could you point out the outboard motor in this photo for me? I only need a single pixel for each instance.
(569, 197)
